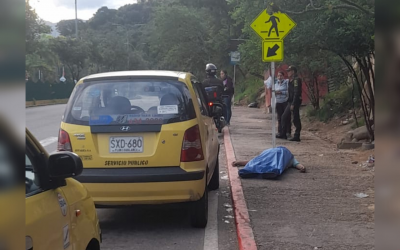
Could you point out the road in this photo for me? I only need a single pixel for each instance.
(157, 227)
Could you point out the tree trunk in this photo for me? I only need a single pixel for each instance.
(368, 95)
(365, 101)
(353, 104)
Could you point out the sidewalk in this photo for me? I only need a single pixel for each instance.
(315, 210)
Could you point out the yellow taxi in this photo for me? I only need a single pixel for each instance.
(145, 137)
(59, 211)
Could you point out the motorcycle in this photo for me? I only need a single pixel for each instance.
(218, 107)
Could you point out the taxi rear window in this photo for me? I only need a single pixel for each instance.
(129, 102)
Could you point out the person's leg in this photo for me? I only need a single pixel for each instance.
(295, 162)
(289, 124)
(225, 111)
(284, 120)
(280, 108)
(296, 122)
(228, 111)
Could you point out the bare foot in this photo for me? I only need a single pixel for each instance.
(301, 168)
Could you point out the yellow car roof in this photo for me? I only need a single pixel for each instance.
(137, 73)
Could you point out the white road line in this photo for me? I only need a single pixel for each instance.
(48, 141)
(211, 231)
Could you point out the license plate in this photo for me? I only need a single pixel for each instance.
(126, 144)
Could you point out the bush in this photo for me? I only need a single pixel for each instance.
(48, 90)
(249, 88)
(335, 104)
(311, 112)
(361, 122)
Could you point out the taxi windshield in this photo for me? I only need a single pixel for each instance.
(130, 102)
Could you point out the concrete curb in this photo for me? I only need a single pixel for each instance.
(244, 231)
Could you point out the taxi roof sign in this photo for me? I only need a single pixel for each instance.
(272, 26)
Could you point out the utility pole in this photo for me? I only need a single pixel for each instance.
(127, 48)
(127, 37)
(76, 19)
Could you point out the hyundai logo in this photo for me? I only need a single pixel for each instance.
(125, 128)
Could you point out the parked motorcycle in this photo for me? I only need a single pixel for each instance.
(218, 107)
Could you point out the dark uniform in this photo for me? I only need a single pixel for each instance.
(213, 81)
(295, 99)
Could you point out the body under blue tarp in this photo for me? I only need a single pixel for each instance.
(269, 164)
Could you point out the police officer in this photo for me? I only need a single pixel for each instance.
(212, 80)
(293, 106)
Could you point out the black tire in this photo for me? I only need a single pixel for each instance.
(214, 182)
(199, 211)
(93, 245)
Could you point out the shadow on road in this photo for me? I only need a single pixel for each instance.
(149, 227)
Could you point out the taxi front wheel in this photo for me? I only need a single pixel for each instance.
(199, 211)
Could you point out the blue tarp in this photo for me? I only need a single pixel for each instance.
(269, 164)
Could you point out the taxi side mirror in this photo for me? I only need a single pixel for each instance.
(64, 165)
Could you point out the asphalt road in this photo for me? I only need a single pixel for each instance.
(156, 227)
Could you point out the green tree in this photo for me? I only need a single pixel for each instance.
(72, 53)
(43, 58)
(185, 39)
(34, 26)
(67, 27)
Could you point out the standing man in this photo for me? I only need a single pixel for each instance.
(294, 102)
(228, 94)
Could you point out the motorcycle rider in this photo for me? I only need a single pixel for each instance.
(212, 80)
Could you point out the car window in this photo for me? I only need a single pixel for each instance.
(200, 98)
(32, 185)
(130, 102)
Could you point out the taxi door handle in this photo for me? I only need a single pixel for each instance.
(28, 243)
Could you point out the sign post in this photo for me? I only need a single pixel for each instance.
(235, 59)
(272, 27)
(273, 105)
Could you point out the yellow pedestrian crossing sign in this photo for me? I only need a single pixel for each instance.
(272, 51)
(272, 26)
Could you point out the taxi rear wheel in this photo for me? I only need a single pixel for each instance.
(199, 211)
(214, 182)
(93, 245)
